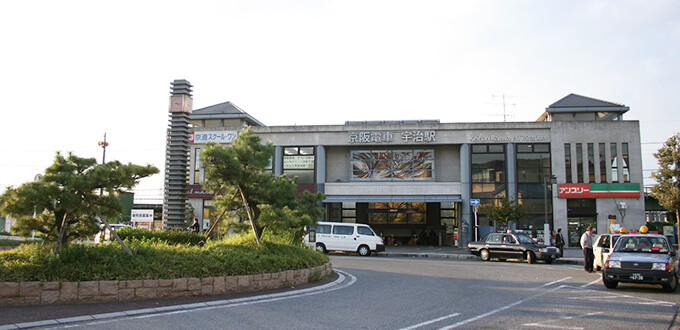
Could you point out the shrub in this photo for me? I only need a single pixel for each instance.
(154, 259)
(169, 236)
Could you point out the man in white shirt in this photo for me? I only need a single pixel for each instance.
(587, 246)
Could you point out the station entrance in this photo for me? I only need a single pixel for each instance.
(402, 223)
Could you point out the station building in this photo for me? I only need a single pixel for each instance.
(579, 164)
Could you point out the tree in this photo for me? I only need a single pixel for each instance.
(65, 203)
(505, 212)
(237, 175)
(667, 189)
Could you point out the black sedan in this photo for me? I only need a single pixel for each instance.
(642, 258)
(512, 246)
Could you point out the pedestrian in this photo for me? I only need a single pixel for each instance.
(195, 227)
(433, 238)
(559, 241)
(534, 232)
(587, 246)
(422, 239)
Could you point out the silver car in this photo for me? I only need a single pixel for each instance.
(642, 258)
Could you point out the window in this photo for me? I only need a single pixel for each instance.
(615, 166)
(579, 162)
(488, 169)
(397, 213)
(533, 165)
(567, 162)
(447, 214)
(624, 164)
(393, 165)
(493, 238)
(603, 163)
(323, 229)
(299, 162)
(365, 231)
(591, 163)
(343, 230)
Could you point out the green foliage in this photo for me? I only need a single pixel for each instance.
(239, 255)
(68, 193)
(238, 173)
(667, 189)
(505, 212)
(11, 242)
(167, 236)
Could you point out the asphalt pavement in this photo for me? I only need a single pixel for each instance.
(19, 317)
(572, 256)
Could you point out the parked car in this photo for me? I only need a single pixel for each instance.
(347, 237)
(642, 258)
(104, 234)
(603, 248)
(512, 246)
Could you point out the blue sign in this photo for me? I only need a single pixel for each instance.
(474, 202)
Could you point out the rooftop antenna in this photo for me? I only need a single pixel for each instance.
(505, 115)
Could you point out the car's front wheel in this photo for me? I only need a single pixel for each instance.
(548, 260)
(671, 287)
(364, 251)
(484, 255)
(610, 284)
(321, 248)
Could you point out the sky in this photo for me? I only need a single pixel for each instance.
(72, 71)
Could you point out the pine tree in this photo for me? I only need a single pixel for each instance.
(67, 201)
(237, 174)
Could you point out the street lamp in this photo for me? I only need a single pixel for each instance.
(104, 144)
(548, 179)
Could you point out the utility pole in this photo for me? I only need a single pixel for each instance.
(103, 144)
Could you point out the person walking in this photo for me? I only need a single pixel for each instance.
(559, 241)
(587, 246)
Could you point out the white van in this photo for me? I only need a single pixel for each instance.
(340, 236)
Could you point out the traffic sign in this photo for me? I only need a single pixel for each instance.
(474, 202)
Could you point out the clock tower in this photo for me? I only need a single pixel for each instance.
(177, 155)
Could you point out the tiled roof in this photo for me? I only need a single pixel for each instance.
(224, 110)
(219, 109)
(579, 101)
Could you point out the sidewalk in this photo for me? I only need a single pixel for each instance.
(573, 256)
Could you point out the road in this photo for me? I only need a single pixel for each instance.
(422, 293)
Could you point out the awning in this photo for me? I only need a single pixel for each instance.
(393, 198)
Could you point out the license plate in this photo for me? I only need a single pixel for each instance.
(636, 277)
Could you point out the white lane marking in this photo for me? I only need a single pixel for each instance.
(554, 326)
(464, 322)
(415, 326)
(332, 286)
(553, 282)
(591, 283)
(624, 299)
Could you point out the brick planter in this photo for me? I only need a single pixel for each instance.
(36, 293)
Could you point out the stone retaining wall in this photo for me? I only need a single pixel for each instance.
(36, 293)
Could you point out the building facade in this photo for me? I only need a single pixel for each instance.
(578, 165)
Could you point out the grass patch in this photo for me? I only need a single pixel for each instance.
(155, 259)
